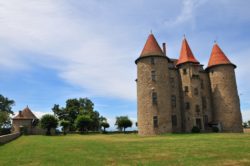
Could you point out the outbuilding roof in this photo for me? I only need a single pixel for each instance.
(26, 113)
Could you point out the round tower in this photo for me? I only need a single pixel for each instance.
(153, 92)
(225, 99)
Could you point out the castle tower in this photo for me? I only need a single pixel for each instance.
(226, 104)
(189, 70)
(153, 91)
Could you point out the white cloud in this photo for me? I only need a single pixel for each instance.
(57, 39)
(245, 115)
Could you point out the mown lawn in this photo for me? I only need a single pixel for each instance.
(128, 149)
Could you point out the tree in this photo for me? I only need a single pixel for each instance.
(65, 125)
(76, 107)
(49, 122)
(83, 122)
(244, 125)
(248, 123)
(105, 125)
(123, 122)
(5, 111)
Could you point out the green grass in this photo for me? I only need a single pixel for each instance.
(128, 149)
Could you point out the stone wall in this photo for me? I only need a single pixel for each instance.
(8, 137)
(147, 110)
(225, 98)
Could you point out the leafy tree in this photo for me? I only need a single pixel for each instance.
(65, 125)
(105, 125)
(5, 111)
(76, 107)
(248, 123)
(83, 122)
(244, 125)
(123, 122)
(48, 122)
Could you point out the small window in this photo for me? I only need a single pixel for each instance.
(155, 121)
(186, 89)
(197, 108)
(154, 98)
(152, 61)
(184, 71)
(172, 82)
(174, 120)
(204, 102)
(153, 75)
(202, 84)
(187, 105)
(173, 101)
(196, 92)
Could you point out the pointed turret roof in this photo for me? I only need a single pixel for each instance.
(218, 57)
(25, 114)
(151, 47)
(186, 54)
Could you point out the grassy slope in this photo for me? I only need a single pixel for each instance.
(119, 149)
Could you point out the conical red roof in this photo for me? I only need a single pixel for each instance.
(151, 47)
(218, 57)
(25, 114)
(186, 54)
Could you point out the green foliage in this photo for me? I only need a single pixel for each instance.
(4, 131)
(5, 111)
(123, 122)
(65, 125)
(118, 149)
(83, 123)
(76, 107)
(48, 122)
(24, 130)
(195, 129)
(104, 125)
(215, 129)
(245, 124)
(248, 123)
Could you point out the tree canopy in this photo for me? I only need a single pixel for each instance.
(83, 122)
(123, 122)
(76, 107)
(5, 111)
(48, 122)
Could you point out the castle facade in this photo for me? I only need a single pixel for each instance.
(174, 95)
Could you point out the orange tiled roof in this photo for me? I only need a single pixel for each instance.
(186, 54)
(218, 57)
(25, 114)
(151, 47)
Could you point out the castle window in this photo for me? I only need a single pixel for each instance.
(204, 102)
(172, 82)
(184, 71)
(197, 109)
(152, 61)
(205, 120)
(153, 75)
(173, 101)
(196, 92)
(155, 121)
(186, 89)
(187, 105)
(154, 98)
(202, 84)
(174, 120)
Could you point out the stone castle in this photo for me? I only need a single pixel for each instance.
(174, 95)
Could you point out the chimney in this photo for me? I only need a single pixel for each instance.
(20, 113)
(164, 48)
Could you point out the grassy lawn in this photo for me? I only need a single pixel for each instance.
(128, 149)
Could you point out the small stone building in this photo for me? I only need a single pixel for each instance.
(25, 119)
(174, 95)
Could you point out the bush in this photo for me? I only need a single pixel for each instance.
(4, 131)
(195, 129)
(215, 129)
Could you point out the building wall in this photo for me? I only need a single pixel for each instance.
(225, 98)
(147, 110)
(22, 122)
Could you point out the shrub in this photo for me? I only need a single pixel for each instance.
(215, 129)
(195, 129)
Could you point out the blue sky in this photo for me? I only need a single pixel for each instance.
(54, 50)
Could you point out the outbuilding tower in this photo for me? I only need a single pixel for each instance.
(225, 99)
(153, 91)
